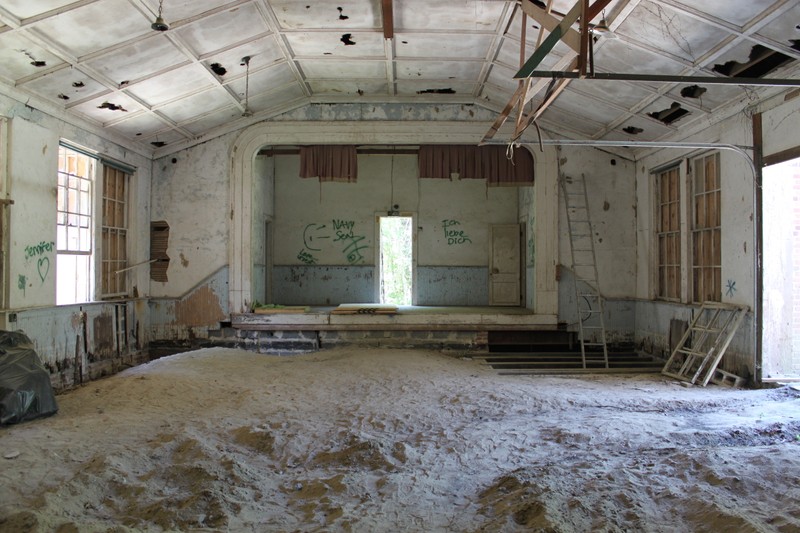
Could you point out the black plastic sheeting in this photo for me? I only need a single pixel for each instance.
(25, 389)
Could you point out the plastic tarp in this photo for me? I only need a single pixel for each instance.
(25, 389)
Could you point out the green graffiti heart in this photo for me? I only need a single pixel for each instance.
(43, 266)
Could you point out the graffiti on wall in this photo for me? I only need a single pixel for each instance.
(38, 254)
(730, 287)
(339, 233)
(454, 235)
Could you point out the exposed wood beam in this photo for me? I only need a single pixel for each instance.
(549, 99)
(548, 22)
(557, 33)
(388, 19)
(583, 55)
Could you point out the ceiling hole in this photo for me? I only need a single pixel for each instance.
(63, 96)
(404, 42)
(693, 91)
(347, 39)
(78, 84)
(111, 107)
(762, 61)
(670, 114)
(158, 144)
(341, 15)
(39, 63)
(218, 69)
(613, 162)
(632, 130)
(437, 91)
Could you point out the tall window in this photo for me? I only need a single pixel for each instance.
(114, 231)
(668, 234)
(706, 222)
(74, 227)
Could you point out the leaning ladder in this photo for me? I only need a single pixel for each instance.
(699, 351)
(590, 304)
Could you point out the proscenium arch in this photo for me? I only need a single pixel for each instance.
(252, 139)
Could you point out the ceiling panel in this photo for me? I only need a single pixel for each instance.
(465, 15)
(67, 84)
(173, 84)
(262, 52)
(223, 29)
(108, 108)
(345, 14)
(315, 68)
(438, 70)
(20, 57)
(196, 105)
(27, 8)
(426, 45)
(264, 80)
(142, 125)
(737, 12)
(667, 30)
(320, 44)
(353, 88)
(154, 53)
(94, 26)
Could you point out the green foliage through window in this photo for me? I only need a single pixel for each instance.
(396, 260)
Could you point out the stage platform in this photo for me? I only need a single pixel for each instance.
(407, 318)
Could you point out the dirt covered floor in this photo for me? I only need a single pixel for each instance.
(399, 440)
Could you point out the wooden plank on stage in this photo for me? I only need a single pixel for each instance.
(365, 309)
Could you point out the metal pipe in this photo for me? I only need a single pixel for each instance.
(704, 80)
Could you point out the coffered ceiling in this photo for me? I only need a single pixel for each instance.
(223, 65)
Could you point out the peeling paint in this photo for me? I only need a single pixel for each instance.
(103, 336)
(201, 308)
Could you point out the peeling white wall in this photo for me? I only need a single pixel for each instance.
(60, 333)
(466, 207)
(610, 187)
(191, 192)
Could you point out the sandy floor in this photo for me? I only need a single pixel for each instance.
(399, 440)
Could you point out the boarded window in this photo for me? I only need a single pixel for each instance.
(159, 240)
(668, 234)
(114, 232)
(706, 231)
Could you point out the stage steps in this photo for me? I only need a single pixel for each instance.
(559, 352)
(564, 362)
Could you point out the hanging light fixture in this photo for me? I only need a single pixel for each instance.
(246, 63)
(159, 24)
(602, 27)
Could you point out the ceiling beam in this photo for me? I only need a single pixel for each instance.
(387, 10)
(666, 78)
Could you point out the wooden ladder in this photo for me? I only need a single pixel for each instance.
(589, 301)
(695, 358)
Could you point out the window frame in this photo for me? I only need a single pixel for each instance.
(669, 239)
(105, 259)
(113, 243)
(705, 278)
(82, 290)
